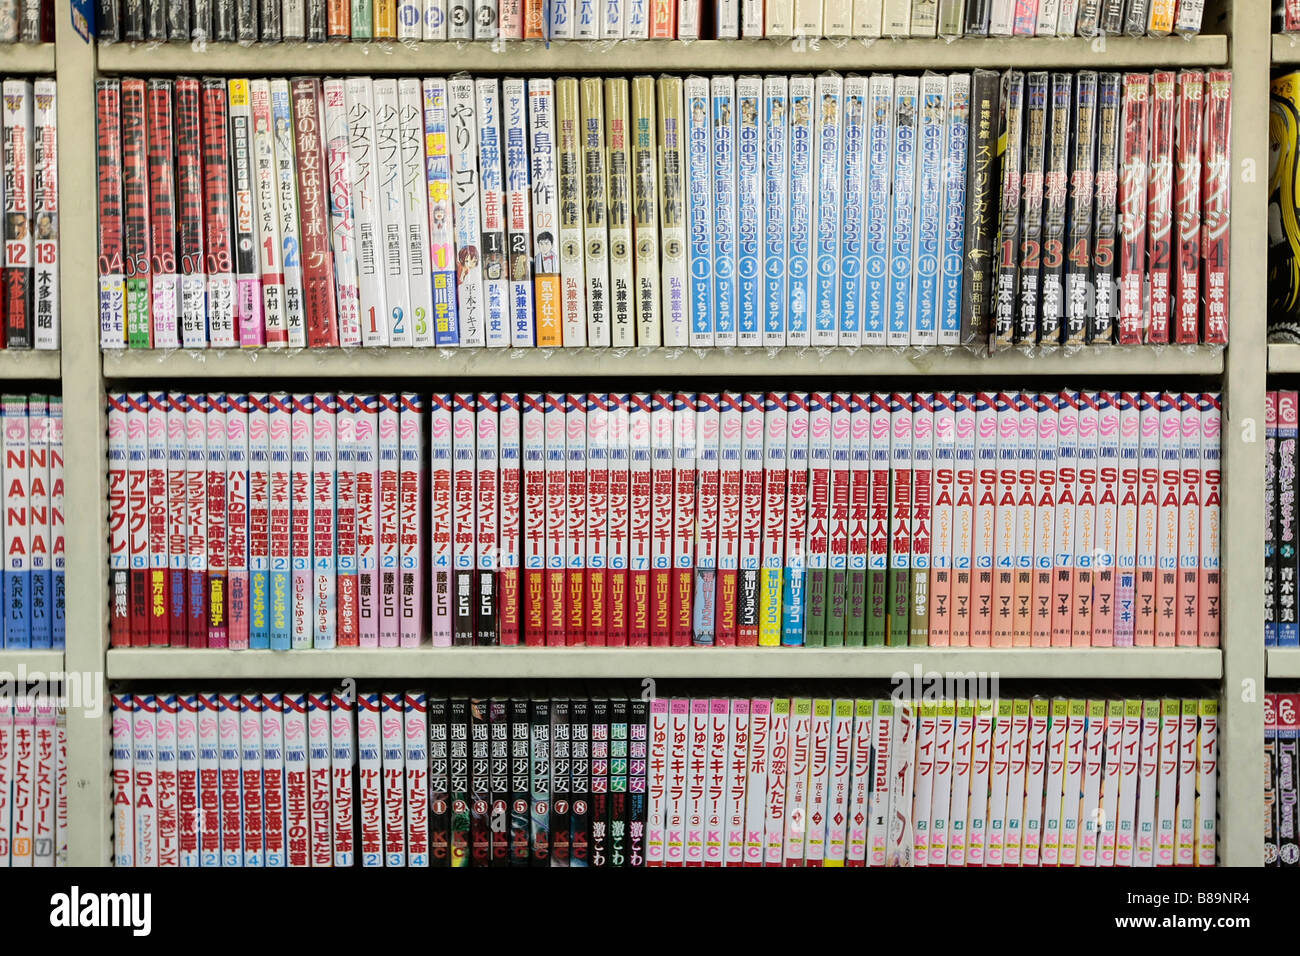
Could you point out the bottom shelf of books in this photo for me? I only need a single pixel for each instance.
(572, 774)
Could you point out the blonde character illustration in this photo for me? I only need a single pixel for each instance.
(1283, 216)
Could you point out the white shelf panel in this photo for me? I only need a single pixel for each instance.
(26, 58)
(538, 363)
(687, 662)
(30, 662)
(1286, 48)
(28, 363)
(1283, 662)
(1112, 53)
(1284, 358)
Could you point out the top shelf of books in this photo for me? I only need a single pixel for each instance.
(18, 58)
(1109, 53)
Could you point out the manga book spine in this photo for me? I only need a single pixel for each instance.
(510, 492)
(1126, 518)
(293, 20)
(465, 187)
(520, 806)
(699, 210)
(1085, 522)
(485, 529)
(496, 285)
(797, 783)
(1056, 193)
(519, 233)
(259, 516)
(439, 784)
(320, 306)
(1026, 18)
(196, 477)
(1079, 287)
(360, 215)
(512, 20)
(17, 530)
(802, 211)
(867, 18)
(900, 850)
(440, 517)
(952, 206)
(540, 781)
(547, 289)
(878, 542)
(775, 185)
(1148, 776)
(1130, 748)
(266, 202)
(441, 228)
(302, 580)
(595, 192)
(1114, 734)
(1207, 587)
(618, 540)
(748, 204)
(1005, 521)
(387, 502)
(385, 19)
(536, 21)
(646, 246)
(338, 794)
(410, 480)
(122, 710)
(794, 577)
(118, 524)
(1215, 188)
(45, 217)
(345, 521)
(229, 713)
(248, 302)
(188, 818)
(978, 289)
(901, 504)
(1132, 199)
(702, 526)
(897, 18)
(342, 233)
(836, 525)
(135, 220)
(534, 536)
(1007, 280)
(1054, 779)
(1076, 740)
(237, 527)
(1185, 813)
(1206, 779)
(656, 781)
(1035, 770)
(882, 726)
(1014, 836)
(907, 121)
(370, 779)
(210, 813)
(621, 291)
(672, 217)
(1160, 211)
(944, 514)
(1027, 323)
(1106, 209)
(409, 20)
(1107, 566)
(921, 516)
(640, 495)
(1190, 110)
(284, 204)
(595, 519)
(324, 510)
(660, 601)
(144, 767)
(219, 263)
(1065, 526)
(828, 172)
(684, 509)
(984, 508)
(575, 503)
(279, 520)
(1166, 534)
(556, 551)
(377, 166)
(250, 778)
(1026, 495)
(272, 779)
(216, 488)
(156, 630)
(162, 222)
(724, 210)
(392, 787)
(770, 486)
(749, 547)
(932, 109)
(572, 248)
(1189, 514)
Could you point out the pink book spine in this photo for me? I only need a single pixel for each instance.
(556, 526)
(1103, 603)
(759, 758)
(157, 484)
(1167, 527)
(345, 518)
(778, 764)
(1063, 547)
(534, 520)
(575, 497)
(1004, 553)
(209, 789)
(618, 546)
(393, 777)
(509, 490)
(238, 598)
(679, 747)
(661, 518)
(411, 531)
(324, 595)
(945, 435)
(1144, 627)
(218, 604)
(685, 468)
(657, 782)
(1085, 520)
(640, 495)
(297, 807)
(250, 777)
(1110, 782)
(859, 803)
(715, 783)
(389, 522)
(697, 776)
(343, 757)
(259, 516)
(595, 520)
(985, 509)
(1026, 18)
(1189, 515)
(440, 451)
(1208, 583)
(1047, 413)
(229, 773)
(300, 523)
(273, 832)
(487, 415)
(187, 779)
(366, 430)
(963, 513)
(320, 805)
(738, 734)
(1126, 517)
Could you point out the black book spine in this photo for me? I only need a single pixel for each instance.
(458, 733)
(580, 786)
(1056, 192)
(246, 20)
(133, 21)
(560, 832)
(1106, 186)
(599, 782)
(981, 204)
(1031, 212)
(977, 18)
(479, 781)
(156, 20)
(540, 780)
(223, 21)
(316, 21)
(1004, 309)
(1078, 265)
(618, 815)
(520, 803)
(638, 754)
(499, 780)
(108, 21)
(271, 29)
(178, 20)
(439, 794)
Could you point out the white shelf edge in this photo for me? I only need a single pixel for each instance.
(1283, 358)
(29, 364)
(35, 58)
(634, 663)
(536, 363)
(1282, 662)
(1286, 48)
(30, 662)
(659, 55)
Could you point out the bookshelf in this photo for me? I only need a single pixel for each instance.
(22, 365)
(1239, 371)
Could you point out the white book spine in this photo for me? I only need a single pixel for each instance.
(876, 281)
(270, 250)
(611, 20)
(672, 221)
(519, 241)
(749, 211)
(618, 141)
(365, 198)
(496, 284)
(699, 180)
(572, 248)
(825, 308)
(415, 212)
(45, 216)
(286, 186)
(803, 210)
(723, 89)
(775, 184)
(342, 225)
(465, 203)
(390, 201)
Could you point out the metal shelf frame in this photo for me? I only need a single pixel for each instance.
(1239, 371)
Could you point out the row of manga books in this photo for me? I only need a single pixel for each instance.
(32, 530)
(1281, 785)
(29, 274)
(665, 519)
(1284, 210)
(1282, 428)
(1114, 215)
(33, 781)
(271, 21)
(422, 779)
(26, 21)
(1286, 16)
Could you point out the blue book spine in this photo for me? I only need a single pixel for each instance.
(903, 209)
(830, 173)
(855, 131)
(954, 218)
(929, 205)
(699, 210)
(774, 210)
(749, 212)
(724, 211)
(880, 105)
(801, 210)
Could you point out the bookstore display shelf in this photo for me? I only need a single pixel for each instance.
(26, 58)
(29, 663)
(1286, 49)
(29, 364)
(264, 364)
(1110, 53)
(1284, 358)
(1283, 662)
(733, 663)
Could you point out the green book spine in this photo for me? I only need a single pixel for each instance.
(919, 620)
(835, 609)
(815, 609)
(877, 605)
(363, 18)
(899, 617)
(855, 630)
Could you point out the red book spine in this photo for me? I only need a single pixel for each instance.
(1187, 205)
(219, 261)
(317, 259)
(189, 204)
(1132, 205)
(1215, 212)
(108, 155)
(118, 520)
(162, 207)
(18, 213)
(1160, 205)
(135, 200)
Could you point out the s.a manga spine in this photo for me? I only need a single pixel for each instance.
(1189, 514)
(219, 264)
(248, 302)
(1211, 409)
(442, 237)
(644, 174)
